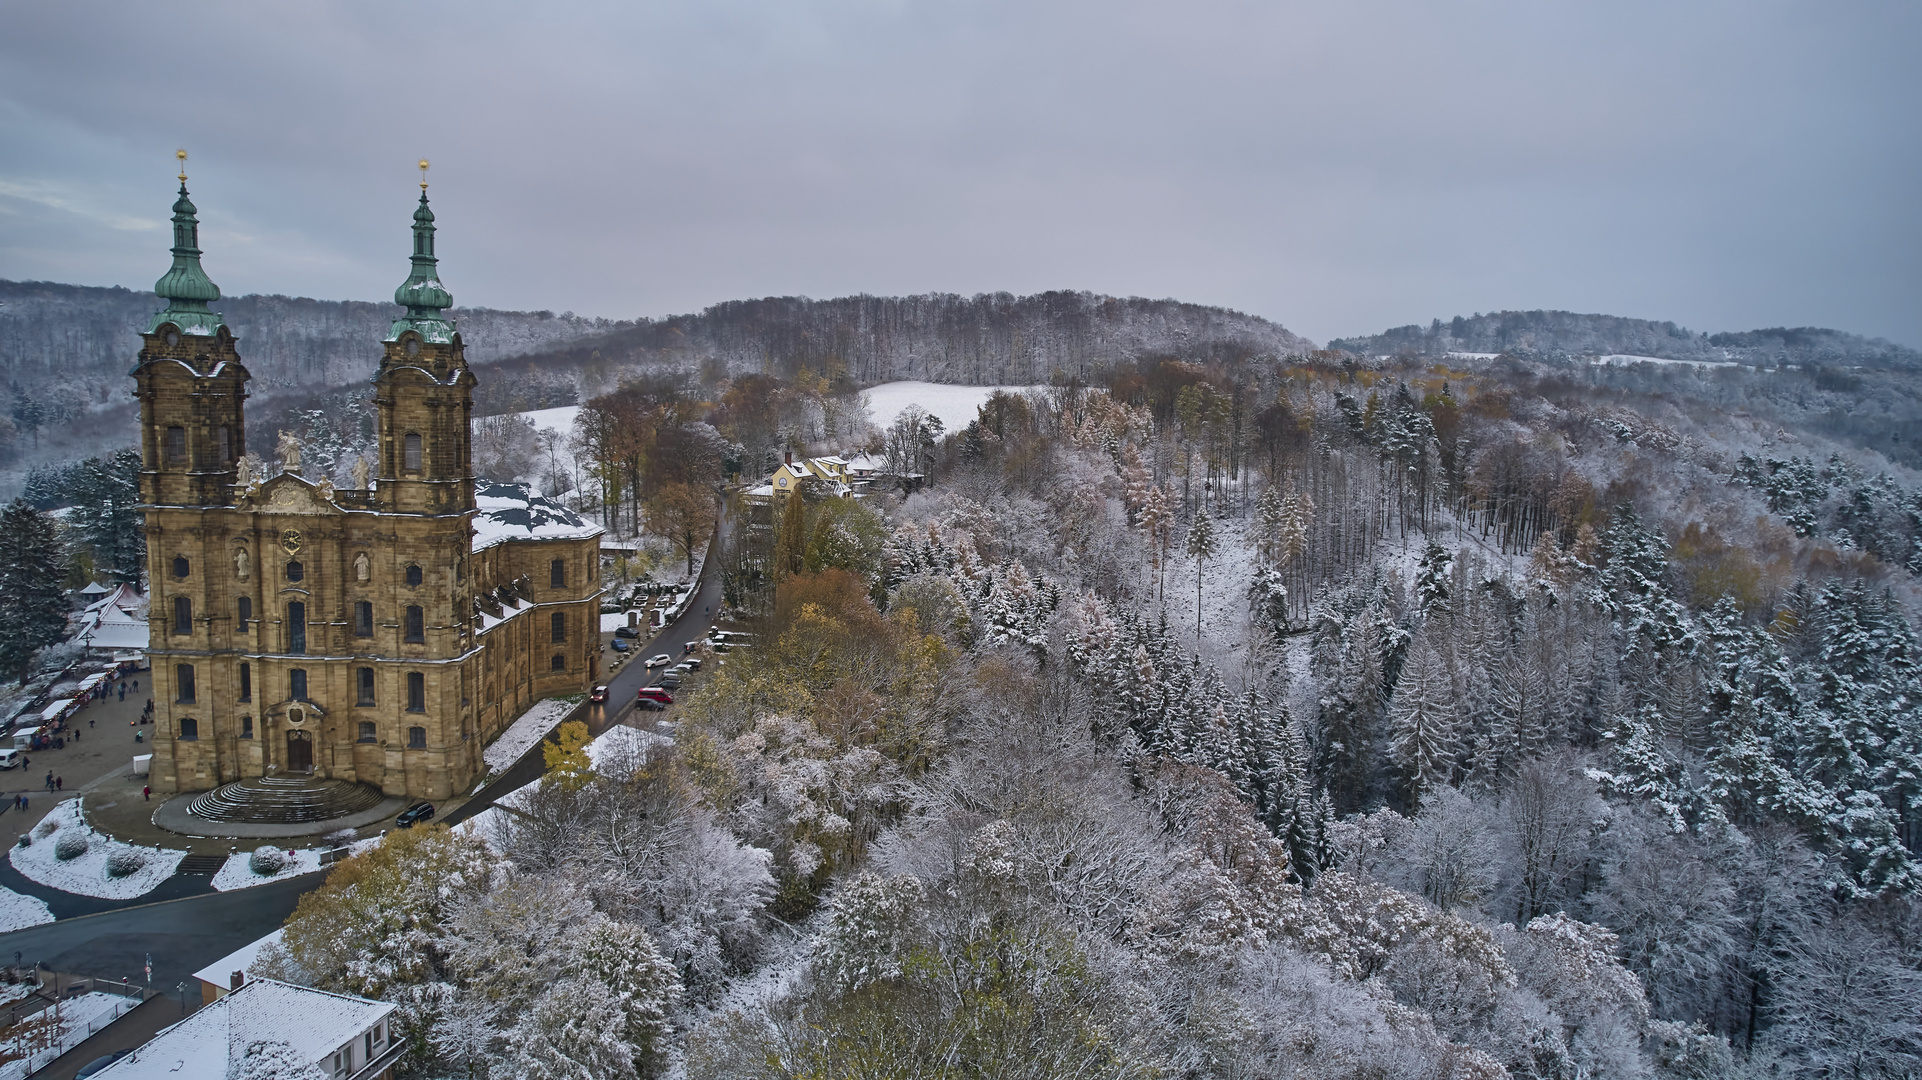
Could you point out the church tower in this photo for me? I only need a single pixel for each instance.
(191, 383)
(424, 392)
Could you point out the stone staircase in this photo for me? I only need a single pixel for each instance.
(207, 865)
(283, 800)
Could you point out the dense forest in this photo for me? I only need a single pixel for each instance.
(1228, 717)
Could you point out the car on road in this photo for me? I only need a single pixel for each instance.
(659, 660)
(100, 1063)
(626, 631)
(597, 695)
(414, 815)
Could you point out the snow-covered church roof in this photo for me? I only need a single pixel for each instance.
(512, 512)
(117, 620)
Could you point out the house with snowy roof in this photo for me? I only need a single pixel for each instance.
(115, 621)
(267, 1028)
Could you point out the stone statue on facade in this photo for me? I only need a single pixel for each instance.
(243, 474)
(289, 451)
(363, 567)
(241, 563)
(361, 472)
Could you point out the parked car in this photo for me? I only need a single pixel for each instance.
(9, 758)
(654, 694)
(100, 1063)
(619, 645)
(670, 679)
(692, 663)
(597, 695)
(626, 631)
(413, 815)
(659, 660)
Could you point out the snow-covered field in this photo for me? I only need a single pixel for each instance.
(18, 912)
(1624, 359)
(236, 874)
(86, 874)
(955, 405)
(558, 420)
(522, 734)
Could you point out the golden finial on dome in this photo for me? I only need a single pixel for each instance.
(181, 156)
(423, 174)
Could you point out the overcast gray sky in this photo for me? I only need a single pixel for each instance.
(1338, 167)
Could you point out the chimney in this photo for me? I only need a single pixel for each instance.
(237, 980)
(788, 456)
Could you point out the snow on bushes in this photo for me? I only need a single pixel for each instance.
(267, 860)
(86, 873)
(70, 846)
(247, 868)
(124, 862)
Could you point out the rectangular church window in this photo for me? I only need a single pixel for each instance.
(364, 682)
(416, 692)
(296, 627)
(246, 682)
(416, 624)
(363, 618)
(184, 683)
(176, 445)
(183, 615)
(297, 684)
(417, 738)
(411, 453)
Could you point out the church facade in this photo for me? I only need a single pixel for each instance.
(382, 632)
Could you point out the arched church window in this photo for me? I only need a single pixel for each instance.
(367, 731)
(183, 615)
(416, 692)
(189, 729)
(181, 566)
(246, 604)
(413, 575)
(246, 727)
(296, 627)
(416, 738)
(416, 624)
(557, 574)
(184, 684)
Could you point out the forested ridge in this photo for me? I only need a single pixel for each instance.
(1228, 717)
(1560, 334)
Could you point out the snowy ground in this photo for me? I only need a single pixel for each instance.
(559, 420)
(236, 874)
(522, 734)
(955, 405)
(18, 912)
(1624, 359)
(620, 742)
(80, 1017)
(86, 874)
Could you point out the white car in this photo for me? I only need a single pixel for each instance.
(659, 660)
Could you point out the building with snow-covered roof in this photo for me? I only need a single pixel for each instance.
(268, 1028)
(382, 633)
(115, 621)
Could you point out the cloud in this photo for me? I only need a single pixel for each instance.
(1340, 168)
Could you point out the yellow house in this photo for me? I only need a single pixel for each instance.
(832, 471)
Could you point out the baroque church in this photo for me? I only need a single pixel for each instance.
(383, 632)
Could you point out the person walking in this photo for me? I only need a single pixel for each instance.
(123, 697)
(147, 793)
(49, 779)
(60, 783)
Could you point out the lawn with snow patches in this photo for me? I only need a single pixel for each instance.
(521, 736)
(18, 912)
(235, 873)
(86, 873)
(955, 405)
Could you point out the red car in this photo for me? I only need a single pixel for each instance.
(654, 697)
(597, 695)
